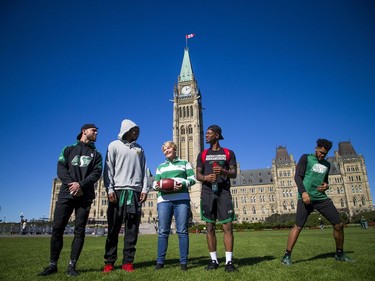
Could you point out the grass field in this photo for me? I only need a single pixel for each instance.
(257, 255)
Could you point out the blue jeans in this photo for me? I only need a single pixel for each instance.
(180, 210)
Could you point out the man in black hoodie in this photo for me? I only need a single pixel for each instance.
(79, 168)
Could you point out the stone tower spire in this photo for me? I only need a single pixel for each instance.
(188, 123)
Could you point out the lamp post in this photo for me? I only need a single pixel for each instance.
(21, 223)
(43, 224)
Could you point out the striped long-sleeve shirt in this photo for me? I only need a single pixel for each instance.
(179, 170)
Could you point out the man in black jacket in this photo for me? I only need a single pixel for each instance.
(79, 168)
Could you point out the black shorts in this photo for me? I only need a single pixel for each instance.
(326, 208)
(217, 208)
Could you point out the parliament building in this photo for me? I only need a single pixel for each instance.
(257, 193)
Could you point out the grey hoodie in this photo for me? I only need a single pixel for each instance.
(125, 163)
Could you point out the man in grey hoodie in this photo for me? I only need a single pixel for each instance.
(125, 179)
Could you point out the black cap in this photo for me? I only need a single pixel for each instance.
(217, 130)
(84, 127)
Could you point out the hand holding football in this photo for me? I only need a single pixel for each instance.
(167, 185)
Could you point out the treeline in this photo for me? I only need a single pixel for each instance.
(369, 216)
(284, 221)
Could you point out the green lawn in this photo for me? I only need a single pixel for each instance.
(257, 254)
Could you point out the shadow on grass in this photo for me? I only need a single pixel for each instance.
(253, 260)
(195, 262)
(202, 262)
(137, 265)
(329, 255)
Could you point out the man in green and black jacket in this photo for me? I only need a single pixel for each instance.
(79, 168)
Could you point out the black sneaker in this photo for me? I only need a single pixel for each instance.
(48, 271)
(229, 267)
(343, 257)
(159, 266)
(286, 260)
(72, 271)
(212, 265)
(184, 267)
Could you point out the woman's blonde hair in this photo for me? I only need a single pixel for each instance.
(169, 143)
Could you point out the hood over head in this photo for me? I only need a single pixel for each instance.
(126, 125)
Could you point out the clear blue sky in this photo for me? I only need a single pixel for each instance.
(270, 72)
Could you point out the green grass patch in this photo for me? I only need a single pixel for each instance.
(257, 254)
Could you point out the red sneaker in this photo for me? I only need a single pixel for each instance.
(108, 268)
(128, 267)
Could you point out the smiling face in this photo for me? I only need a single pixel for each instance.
(211, 136)
(169, 150)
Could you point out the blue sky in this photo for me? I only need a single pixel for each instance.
(270, 72)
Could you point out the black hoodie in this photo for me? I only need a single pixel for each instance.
(80, 163)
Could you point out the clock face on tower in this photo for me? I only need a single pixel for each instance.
(185, 90)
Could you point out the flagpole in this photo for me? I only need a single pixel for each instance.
(188, 36)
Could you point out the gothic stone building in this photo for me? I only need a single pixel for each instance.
(257, 193)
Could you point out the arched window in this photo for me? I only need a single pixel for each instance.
(363, 201)
(342, 203)
(285, 205)
(191, 111)
(355, 201)
(292, 205)
(182, 130)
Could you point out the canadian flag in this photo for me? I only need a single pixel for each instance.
(191, 35)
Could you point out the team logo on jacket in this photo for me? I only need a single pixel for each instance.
(81, 161)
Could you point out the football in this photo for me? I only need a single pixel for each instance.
(167, 185)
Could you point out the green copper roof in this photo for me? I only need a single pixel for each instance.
(186, 73)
